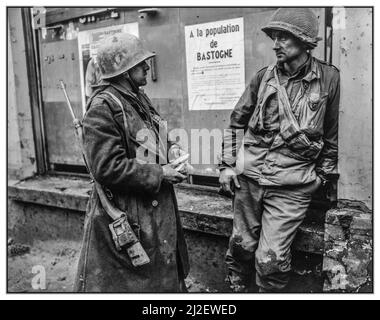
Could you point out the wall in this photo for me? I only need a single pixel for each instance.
(352, 40)
(164, 33)
(14, 155)
(352, 54)
(21, 152)
(171, 55)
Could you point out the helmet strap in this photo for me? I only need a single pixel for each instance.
(132, 83)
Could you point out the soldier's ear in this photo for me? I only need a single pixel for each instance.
(304, 45)
(307, 47)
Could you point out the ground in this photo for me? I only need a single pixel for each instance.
(58, 259)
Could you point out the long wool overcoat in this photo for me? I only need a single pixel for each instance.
(135, 187)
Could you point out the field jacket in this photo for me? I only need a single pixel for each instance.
(285, 155)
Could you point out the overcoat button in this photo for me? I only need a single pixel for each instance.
(154, 203)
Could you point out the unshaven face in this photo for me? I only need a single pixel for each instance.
(286, 47)
(139, 73)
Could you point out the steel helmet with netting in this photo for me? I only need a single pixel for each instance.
(119, 53)
(300, 22)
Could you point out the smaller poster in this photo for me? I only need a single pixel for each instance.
(88, 43)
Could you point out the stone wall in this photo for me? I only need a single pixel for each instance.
(347, 261)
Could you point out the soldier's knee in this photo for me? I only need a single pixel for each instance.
(269, 262)
(241, 249)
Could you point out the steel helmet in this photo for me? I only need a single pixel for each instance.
(300, 22)
(119, 53)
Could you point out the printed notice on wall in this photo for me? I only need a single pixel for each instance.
(215, 64)
(88, 43)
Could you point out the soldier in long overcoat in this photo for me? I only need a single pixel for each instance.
(135, 176)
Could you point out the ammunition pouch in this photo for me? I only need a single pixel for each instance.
(124, 237)
(301, 145)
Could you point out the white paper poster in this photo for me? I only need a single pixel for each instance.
(88, 43)
(215, 64)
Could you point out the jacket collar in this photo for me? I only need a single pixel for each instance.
(314, 72)
(121, 84)
(309, 69)
(302, 69)
(124, 86)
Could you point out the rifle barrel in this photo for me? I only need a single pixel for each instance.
(63, 86)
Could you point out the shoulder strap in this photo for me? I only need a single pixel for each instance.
(264, 80)
(125, 122)
(114, 212)
(288, 123)
(118, 102)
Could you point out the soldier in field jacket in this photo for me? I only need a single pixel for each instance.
(288, 122)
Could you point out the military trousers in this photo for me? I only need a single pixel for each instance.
(266, 219)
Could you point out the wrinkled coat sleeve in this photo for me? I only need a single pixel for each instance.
(232, 137)
(107, 155)
(327, 162)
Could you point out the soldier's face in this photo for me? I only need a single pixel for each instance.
(286, 46)
(139, 73)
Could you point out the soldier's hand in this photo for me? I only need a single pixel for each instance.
(228, 176)
(171, 175)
